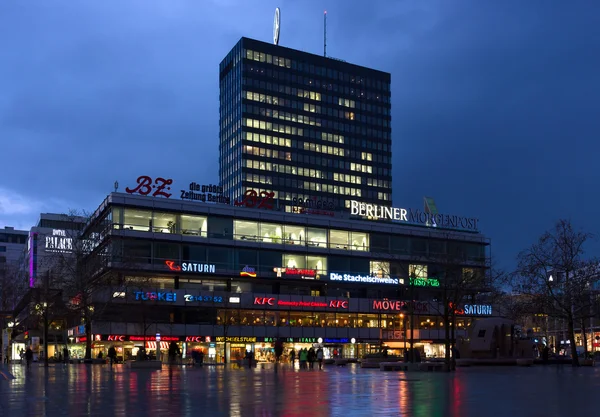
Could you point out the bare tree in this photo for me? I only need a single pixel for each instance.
(555, 273)
(452, 275)
(77, 262)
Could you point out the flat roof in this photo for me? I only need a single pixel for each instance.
(341, 221)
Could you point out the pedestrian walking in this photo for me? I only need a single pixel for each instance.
(173, 352)
(320, 357)
(292, 356)
(311, 358)
(303, 357)
(249, 356)
(278, 350)
(28, 356)
(112, 355)
(66, 354)
(200, 357)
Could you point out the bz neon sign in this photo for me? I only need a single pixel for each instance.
(252, 199)
(145, 186)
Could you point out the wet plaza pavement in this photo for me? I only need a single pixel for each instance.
(96, 390)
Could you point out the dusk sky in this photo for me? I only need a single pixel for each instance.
(495, 104)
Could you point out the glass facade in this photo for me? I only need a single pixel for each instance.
(303, 126)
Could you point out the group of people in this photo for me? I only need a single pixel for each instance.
(308, 357)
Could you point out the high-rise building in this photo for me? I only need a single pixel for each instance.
(303, 126)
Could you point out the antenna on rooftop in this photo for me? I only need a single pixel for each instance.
(325, 34)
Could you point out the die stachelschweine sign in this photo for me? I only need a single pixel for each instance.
(358, 208)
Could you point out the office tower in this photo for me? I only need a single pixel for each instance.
(303, 126)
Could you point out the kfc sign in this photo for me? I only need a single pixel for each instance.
(195, 339)
(116, 338)
(264, 301)
(338, 304)
(272, 301)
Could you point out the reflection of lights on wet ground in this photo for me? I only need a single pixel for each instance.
(335, 391)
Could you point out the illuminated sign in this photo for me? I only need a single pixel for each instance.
(295, 272)
(196, 339)
(235, 339)
(313, 206)
(152, 338)
(364, 279)
(254, 199)
(204, 193)
(59, 242)
(202, 298)
(374, 211)
(234, 300)
(248, 271)
(116, 338)
(264, 301)
(424, 282)
(156, 296)
(336, 340)
(401, 306)
(145, 186)
(272, 301)
(478, 310)
(119, 294)
(191, 267)
(289, 339)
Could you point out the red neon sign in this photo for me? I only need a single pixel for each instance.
(195, 339)
(303, 272)
(153, 338)
(252, 199)
(116, 338)
(145, 186)
(264, 301)
(172, 266)
(338, 304)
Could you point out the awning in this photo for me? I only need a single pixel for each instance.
(152, 345)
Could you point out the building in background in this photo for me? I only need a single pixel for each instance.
(229, 279)
(48, 242)
(303, 126)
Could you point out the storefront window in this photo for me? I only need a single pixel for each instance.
(136, 252)
(317, 262)
(339, 239)
(165, 223)
(193, 253)
(360, 241)
(316, 237)
(294, 235)
(346, 320)
(271, 233)
(251, 318)
(380, 269)
(294, 261)
(368, 320)
(137, 219)
(194, 225)
(417, 271)
(165, 251)
(246, 230)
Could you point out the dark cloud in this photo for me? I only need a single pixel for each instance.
(494, 103)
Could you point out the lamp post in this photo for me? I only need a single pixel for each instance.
(403, 329)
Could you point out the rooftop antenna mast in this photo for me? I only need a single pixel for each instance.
(325, 34)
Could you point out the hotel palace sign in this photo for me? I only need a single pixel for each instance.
(358, 208)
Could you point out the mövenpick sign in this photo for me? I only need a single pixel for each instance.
(358, 208)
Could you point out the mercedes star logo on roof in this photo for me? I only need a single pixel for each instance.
(276, 24)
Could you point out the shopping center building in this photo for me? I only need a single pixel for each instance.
(230, 278)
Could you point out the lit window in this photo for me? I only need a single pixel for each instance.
(380, 269)
(417, 271)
